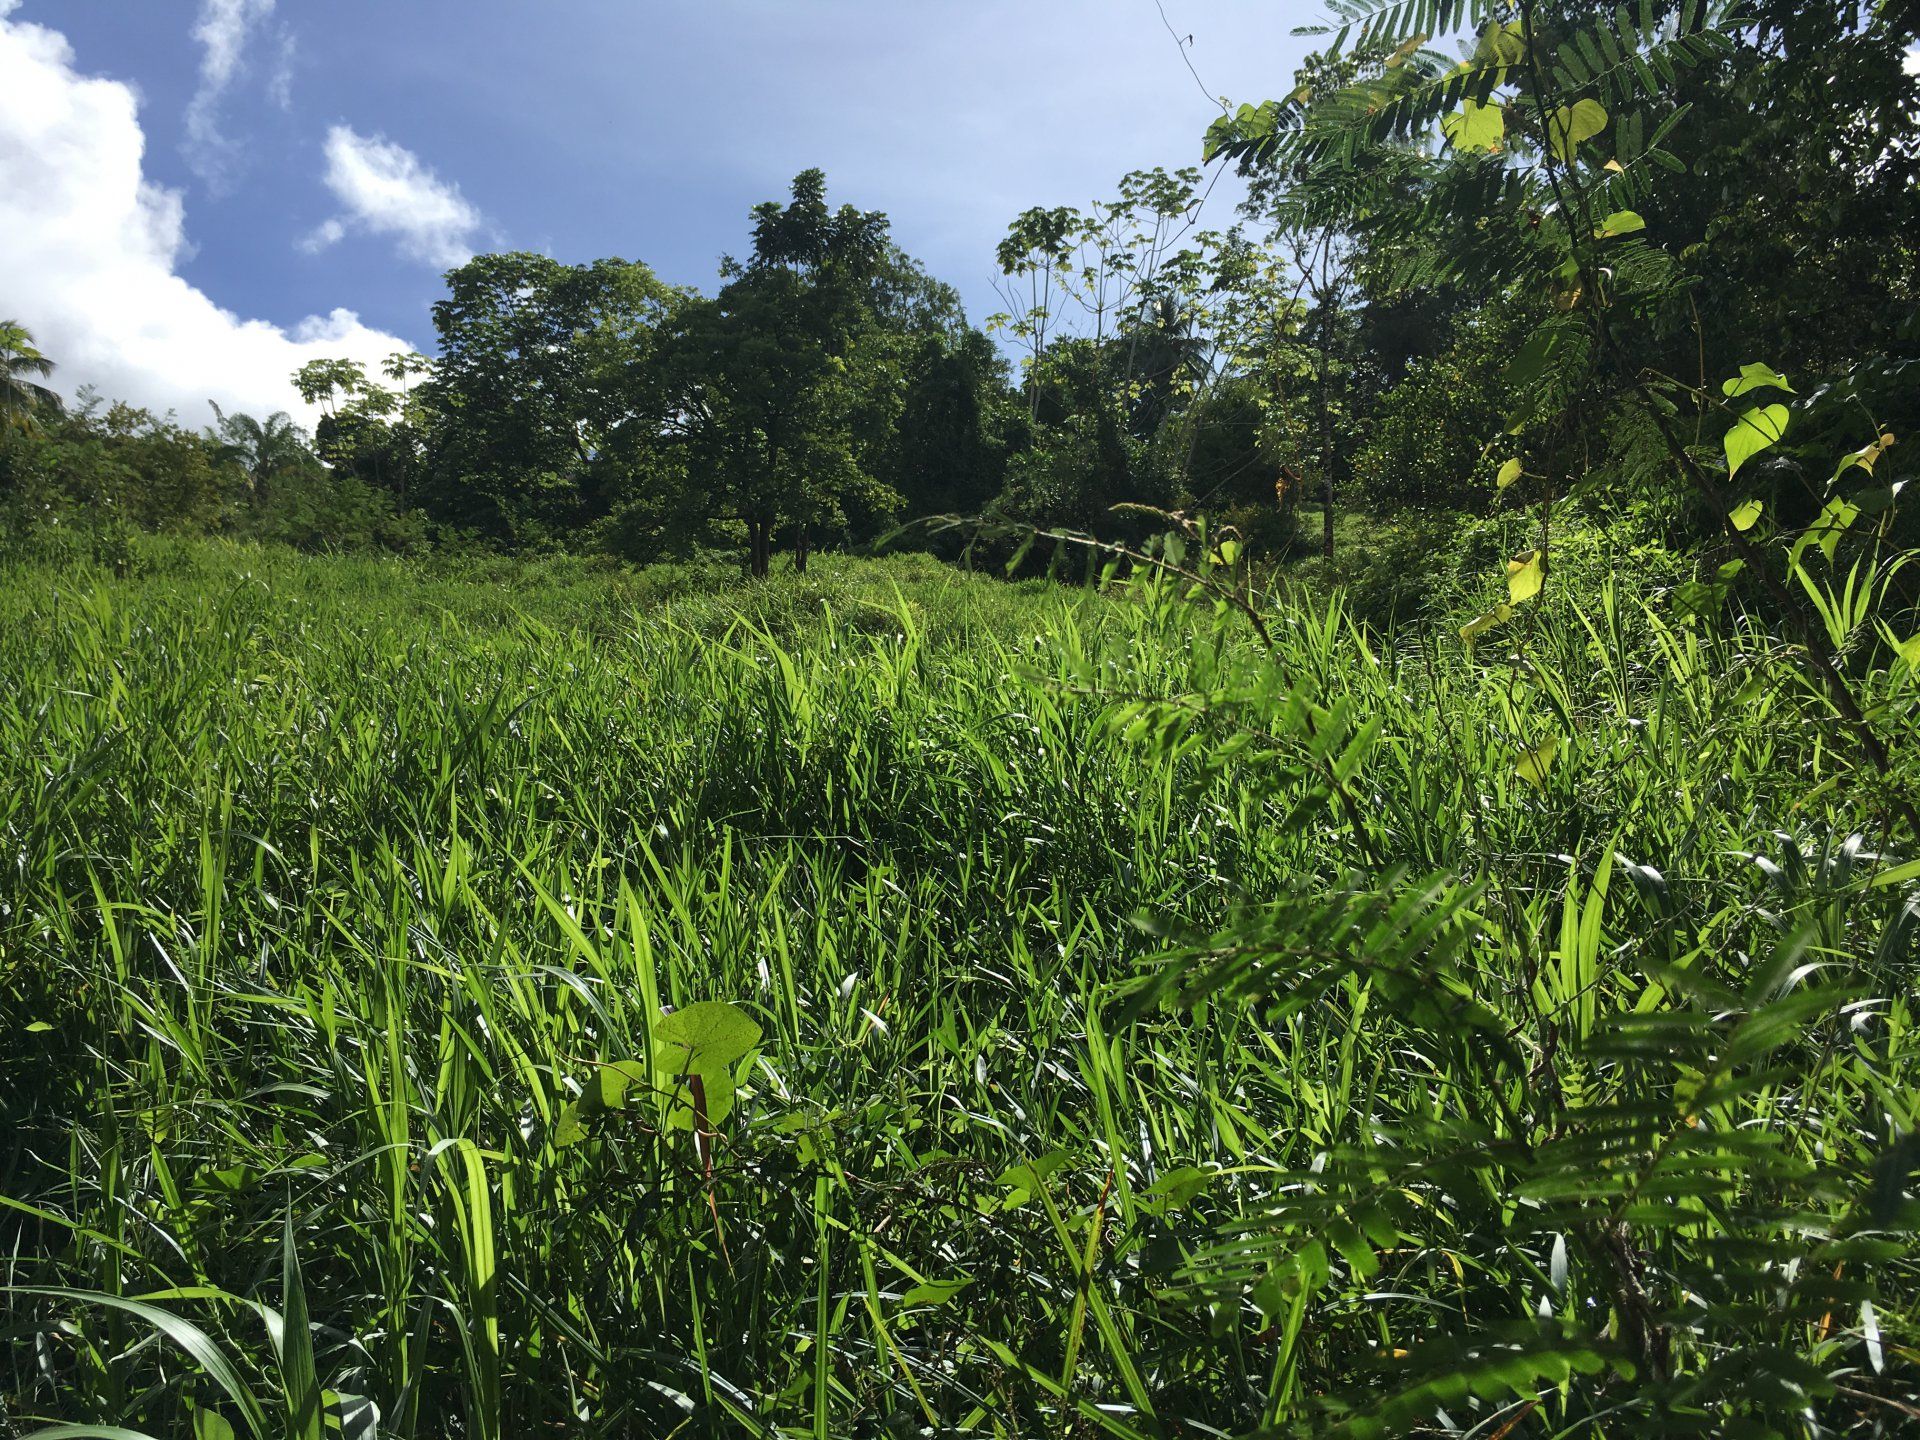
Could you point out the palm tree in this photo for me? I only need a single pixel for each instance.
(21, 397)
(262, 450)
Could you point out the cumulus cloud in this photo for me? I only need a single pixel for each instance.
(222, 31)
(89, 246)
(384, 189)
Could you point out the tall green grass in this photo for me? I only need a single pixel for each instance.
(1092, 1018)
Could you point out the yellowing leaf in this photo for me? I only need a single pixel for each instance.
(1502, 45)
(1910, 651)
(1534, 765)
(1866, 457)
(1480, 624)
(1571, 124)
(1509, 472)
(1408, 48)
(1229, 551)
(1475, 126)
(1742, 517)
(1621, 222)
(1756, 430)
(1755, 376)
(1525, 575)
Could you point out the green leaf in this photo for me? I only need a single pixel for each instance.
(1501, 46)
(1743, 516)
(1509, 472)
(354, 1416)
(1023, 1181)
(189, 1337)
(934, 1292)
(1530, 362)
(298, 1378)
(1229, 551)
(1304, 1273)
(1568, 126)
(1833, 521)
(616, 1079)
(1176, 1190)
(38, 1027)
(1480, 624)
(1755, 377)
(703, 1039)
(570, 1127)
(1534, 765)
(1756, 430)
(1475, 126)
(1525, 575)
(1621, 222)
(211, 1425)
(1910, 650)
(716, 1090)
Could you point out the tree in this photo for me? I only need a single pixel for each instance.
(758, 384)
(22, 366)
(263, 450)
(946, 449)
(542, 365)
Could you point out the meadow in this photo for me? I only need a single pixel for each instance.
(1112, 1014)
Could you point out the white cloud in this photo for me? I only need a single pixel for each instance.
(88, 249)
(386, 190)
(222, 31)
(1913, 61)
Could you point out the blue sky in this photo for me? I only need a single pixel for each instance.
(277, 162)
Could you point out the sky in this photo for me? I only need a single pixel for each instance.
(197, 196)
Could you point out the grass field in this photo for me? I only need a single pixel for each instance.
(1159, 1032)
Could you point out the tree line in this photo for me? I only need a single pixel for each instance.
(1345, 343)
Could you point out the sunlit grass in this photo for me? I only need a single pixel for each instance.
(328, 884)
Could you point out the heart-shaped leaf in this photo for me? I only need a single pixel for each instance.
(1755, 376)
(1475, 126)
(1525, 575)
(1866, 457)
(1501, 45)
(1568, 126)
(1480, 624)
(715, 1099)
(703, 1039)
(616, 1079)
(1533, 766)
(570, 1128)
(1756, 430)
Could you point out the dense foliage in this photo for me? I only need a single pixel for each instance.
(1578, 1085)
(1460, 985)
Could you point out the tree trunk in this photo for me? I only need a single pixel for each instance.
(800, 549)
(1326, 447)
(1326, 524)
(759, 547)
